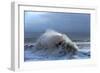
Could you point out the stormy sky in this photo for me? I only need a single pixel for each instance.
(76, 23)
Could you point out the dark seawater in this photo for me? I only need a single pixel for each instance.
(32, 54)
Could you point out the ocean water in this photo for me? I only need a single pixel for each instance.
(33, 54)
(78, 37)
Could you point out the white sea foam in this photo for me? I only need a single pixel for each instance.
(32, 53)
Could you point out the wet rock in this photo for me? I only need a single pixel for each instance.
(31, 46)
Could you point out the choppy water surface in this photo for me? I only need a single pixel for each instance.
(32, 54)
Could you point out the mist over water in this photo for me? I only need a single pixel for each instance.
(75, 25)
(40, 54)
(32, 37)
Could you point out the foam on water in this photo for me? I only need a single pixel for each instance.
(32, 54)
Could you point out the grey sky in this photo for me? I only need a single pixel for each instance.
(63, 22)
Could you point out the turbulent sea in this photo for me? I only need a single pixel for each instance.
(33, 54)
